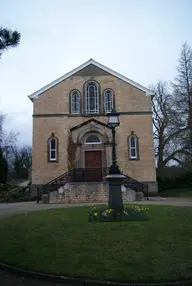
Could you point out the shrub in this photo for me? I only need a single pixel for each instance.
(182, 181)
(10, 193)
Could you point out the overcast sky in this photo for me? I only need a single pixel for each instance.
(140, 39)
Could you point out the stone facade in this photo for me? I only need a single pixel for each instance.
(51, 114)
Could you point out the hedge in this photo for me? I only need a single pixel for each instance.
(182, 181)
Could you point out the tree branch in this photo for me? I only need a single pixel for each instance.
(170, 157)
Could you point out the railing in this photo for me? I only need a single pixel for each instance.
(74, 175)
(136, 185)
(54, 184)
(88, 175)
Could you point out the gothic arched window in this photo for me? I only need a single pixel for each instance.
(133, 146)
(108, 100)
(75, 102)
(91, 97)
(52, 149)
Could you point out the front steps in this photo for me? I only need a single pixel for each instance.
(89, 192)
(74, 187)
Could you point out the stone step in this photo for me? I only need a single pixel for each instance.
(89, 193)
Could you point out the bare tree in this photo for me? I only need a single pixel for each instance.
(160, 119)
(21, 160)
(1, 127)
(182, 91)
(26, 155)
(183, 81)
(3, 168)
(167, 147)
(7, 139)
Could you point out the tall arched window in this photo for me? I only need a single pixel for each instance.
(108, 100)
(91, 97)
(133, 146)
(52, 149)
(75, 102)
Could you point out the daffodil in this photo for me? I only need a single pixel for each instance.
(104, 213)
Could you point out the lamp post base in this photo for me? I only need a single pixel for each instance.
(115, 200)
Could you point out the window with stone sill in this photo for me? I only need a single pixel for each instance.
(53, 149)
(133, 146)
(108, 100)
(75, 102)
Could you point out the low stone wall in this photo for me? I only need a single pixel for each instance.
(87, 193)
(92, 192)
(81, 193)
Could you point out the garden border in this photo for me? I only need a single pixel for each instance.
(81, 280)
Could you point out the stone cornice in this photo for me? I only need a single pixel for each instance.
(91, 115)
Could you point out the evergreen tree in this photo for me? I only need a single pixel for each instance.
(8, 39)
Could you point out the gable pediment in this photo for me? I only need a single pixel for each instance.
(90, 123)
(91, 70)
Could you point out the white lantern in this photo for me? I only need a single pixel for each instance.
(113, 119)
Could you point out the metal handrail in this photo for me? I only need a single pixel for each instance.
(84, 175)
(136, 185)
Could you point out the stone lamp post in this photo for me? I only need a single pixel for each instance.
(115, 178)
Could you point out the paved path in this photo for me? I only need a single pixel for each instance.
(25, 207)
(181, 202)
(7, 279)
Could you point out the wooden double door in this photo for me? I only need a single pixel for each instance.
(93, 166)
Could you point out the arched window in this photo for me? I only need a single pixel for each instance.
(108, 100)
(91, 97)
(93, 139)
(75, 102)
(133, 147)
(52, 149)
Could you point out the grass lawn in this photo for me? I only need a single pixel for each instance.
(62, 241)
(177, 193)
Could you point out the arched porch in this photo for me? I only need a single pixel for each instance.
(93, 152)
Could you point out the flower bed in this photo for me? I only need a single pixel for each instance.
(129, 213)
